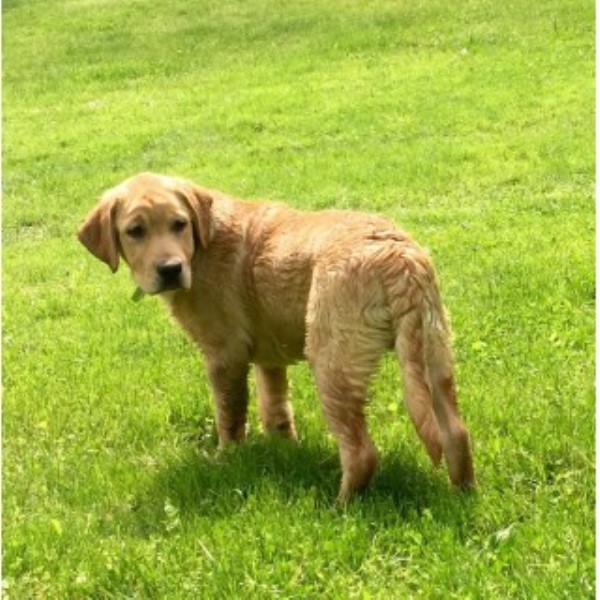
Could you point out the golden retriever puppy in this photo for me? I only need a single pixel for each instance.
(264, 284)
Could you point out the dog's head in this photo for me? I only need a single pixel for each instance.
(156, 224)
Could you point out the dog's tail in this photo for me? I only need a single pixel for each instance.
(421, 330)
(415, 323)
(424, 348)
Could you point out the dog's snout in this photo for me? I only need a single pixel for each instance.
(170, 271)
(169, 268)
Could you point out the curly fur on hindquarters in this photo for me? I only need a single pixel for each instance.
(264, 284)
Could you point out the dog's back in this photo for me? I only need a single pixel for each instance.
(283, 248)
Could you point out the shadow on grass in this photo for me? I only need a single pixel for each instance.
(218, 485)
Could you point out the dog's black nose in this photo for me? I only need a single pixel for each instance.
(170, 271)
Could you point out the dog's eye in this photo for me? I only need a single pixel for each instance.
(137, 232)
(179, 225)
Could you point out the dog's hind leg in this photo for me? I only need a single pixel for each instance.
(348, 329)
(343, 397)
(273, 405)
(342, 367)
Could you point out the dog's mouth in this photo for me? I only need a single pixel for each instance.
(139, 293)
(170, 287)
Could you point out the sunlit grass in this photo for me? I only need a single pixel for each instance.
(471, 125)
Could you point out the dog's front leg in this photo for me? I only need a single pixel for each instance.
(230, 389)
(274, 407)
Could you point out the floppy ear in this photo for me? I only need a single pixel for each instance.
(99, 234)
(199, 201)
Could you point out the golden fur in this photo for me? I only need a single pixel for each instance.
(264, 284)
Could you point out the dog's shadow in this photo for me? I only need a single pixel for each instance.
(216, 485)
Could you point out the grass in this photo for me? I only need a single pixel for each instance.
(471, 124)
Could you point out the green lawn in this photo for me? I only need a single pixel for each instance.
(471, 124)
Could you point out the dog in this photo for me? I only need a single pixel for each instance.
(263, 284)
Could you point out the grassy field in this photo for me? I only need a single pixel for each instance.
(471, 124)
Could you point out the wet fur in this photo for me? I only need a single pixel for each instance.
(269, 285)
